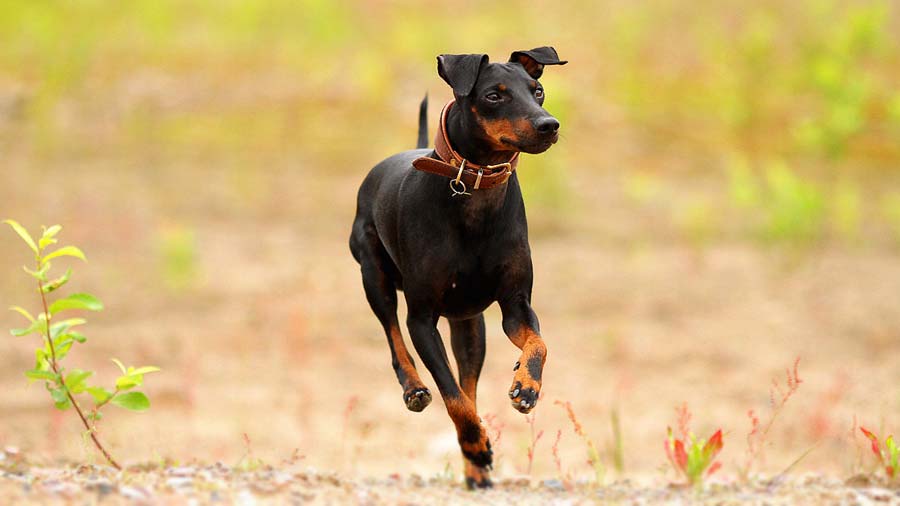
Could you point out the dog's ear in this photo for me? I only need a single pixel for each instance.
(535, 59)
(461, 71)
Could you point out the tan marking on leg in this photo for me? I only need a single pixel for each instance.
(526, 384)
(403, 357)
(473, 440)
(468, 385)
(415, 394)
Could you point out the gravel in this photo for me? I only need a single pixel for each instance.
(24, 483)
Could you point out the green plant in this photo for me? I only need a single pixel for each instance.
(795, 208)
(887, 456)
(65, 385)
(618, 452)
(691, 457)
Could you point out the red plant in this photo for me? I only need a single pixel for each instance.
(887, 456)
(691, 457)
(778, 396)
(555, 451)
(593, 454)
(535, 437)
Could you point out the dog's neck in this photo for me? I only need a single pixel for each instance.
(479, 207)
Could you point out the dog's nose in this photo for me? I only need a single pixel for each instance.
(547, 125)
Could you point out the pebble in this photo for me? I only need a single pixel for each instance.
(554, 484)
(136, 494)
(180, 482)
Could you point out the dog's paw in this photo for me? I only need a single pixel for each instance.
(417, 398)
(524, 394)
(477, 477)
(526, 384)
(478, 453)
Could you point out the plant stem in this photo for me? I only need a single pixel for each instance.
(62, 381)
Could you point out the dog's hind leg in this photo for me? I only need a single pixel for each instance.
(381, 292)
(467, 338)
(422, 324)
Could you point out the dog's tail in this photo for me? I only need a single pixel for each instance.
(422, 143)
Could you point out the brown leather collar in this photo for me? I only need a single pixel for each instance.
(471, 176)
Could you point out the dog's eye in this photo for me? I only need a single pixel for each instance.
(493, 97)
(539, 93)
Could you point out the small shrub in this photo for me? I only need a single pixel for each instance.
(691, 457)
(888, 456)
(66, 385)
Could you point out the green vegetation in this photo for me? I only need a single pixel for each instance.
(694, 458)
(888, 456)
(58, 336)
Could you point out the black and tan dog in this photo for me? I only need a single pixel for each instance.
(448, 228)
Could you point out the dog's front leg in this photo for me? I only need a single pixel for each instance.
(471, 435)
(521, 326)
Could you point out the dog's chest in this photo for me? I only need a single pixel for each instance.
(470, 288)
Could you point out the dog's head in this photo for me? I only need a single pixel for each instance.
(503, 102)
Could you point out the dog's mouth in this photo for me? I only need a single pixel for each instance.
(532, 146)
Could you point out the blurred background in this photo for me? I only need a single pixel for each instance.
(725, 198)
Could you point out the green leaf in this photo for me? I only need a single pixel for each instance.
(39, 325)
(69, 251)
(40, 274)
(43, 242)
(50, 232)
(63, 349)
(58, 394)
(140, 371)
(77, 336)
(63, 326)
(40, 362)
(56, 283)
(58, 330)
(22, 312)
(38, 374)
(99, 394)
(127, 382)
(134, 401)
(47, 236)
(121, 366)
(22, 233)
(77, 301)
(75, 380)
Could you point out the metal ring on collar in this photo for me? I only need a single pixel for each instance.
(456, 183)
